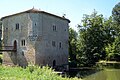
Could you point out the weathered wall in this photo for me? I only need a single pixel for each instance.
(11, 34)
(37, 30)
(35, 33)
(50, 53)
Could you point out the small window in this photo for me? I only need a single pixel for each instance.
(22, 53)
(35, 24)
(53, 43)
(60, 45)
(23, 42)
(6, 29)
(54, 27)
(17, 26)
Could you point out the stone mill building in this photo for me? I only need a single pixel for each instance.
(36, 37)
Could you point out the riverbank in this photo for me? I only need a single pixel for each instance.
(106, 70)
(96, 74)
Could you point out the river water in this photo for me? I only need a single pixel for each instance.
(106, 74)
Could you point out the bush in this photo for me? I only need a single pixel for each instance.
(30, 73)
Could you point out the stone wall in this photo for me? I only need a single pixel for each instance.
(39, 30)
(50, 53)
(12, 34)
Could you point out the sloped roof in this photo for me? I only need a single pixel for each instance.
(35, 11)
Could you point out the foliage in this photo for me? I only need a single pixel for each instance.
(113, 50)
(116, 13)
(29, 73)
(95, 34)
(98, 39)
(72, 47)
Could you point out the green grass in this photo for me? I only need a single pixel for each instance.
(30, 73)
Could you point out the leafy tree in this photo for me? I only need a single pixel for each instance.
(116, 18)
(94, 35)
(72, 47)
(98, 39)
(0, 34)
(116, 13)
(113, 50)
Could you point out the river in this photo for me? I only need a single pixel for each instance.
(106, 74)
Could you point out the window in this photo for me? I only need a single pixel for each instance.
(22, 53)
(53, 43)
(35, 24)
(23, 42)
(65, 29)
(54, 27)
(60, 45)
(17, 26)
(6, 29)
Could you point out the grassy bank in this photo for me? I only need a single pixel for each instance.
(30, 73)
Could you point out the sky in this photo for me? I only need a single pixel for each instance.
(74, 9)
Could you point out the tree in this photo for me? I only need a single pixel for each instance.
(72, 47)
(0, 35)
(113, 50)
(116, 13)
(94, 35)
(116, 18)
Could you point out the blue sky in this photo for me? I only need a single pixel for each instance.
(74, 9)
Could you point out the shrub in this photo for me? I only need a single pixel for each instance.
(30, 73)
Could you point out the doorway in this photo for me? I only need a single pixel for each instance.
(15, 45)
(54, 63)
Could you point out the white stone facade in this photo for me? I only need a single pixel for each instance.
(41, 37)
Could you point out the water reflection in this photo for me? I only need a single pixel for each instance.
(107, 74)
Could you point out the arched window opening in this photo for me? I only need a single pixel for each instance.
(54, 63)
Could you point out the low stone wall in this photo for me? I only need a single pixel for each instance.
(108, 64)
